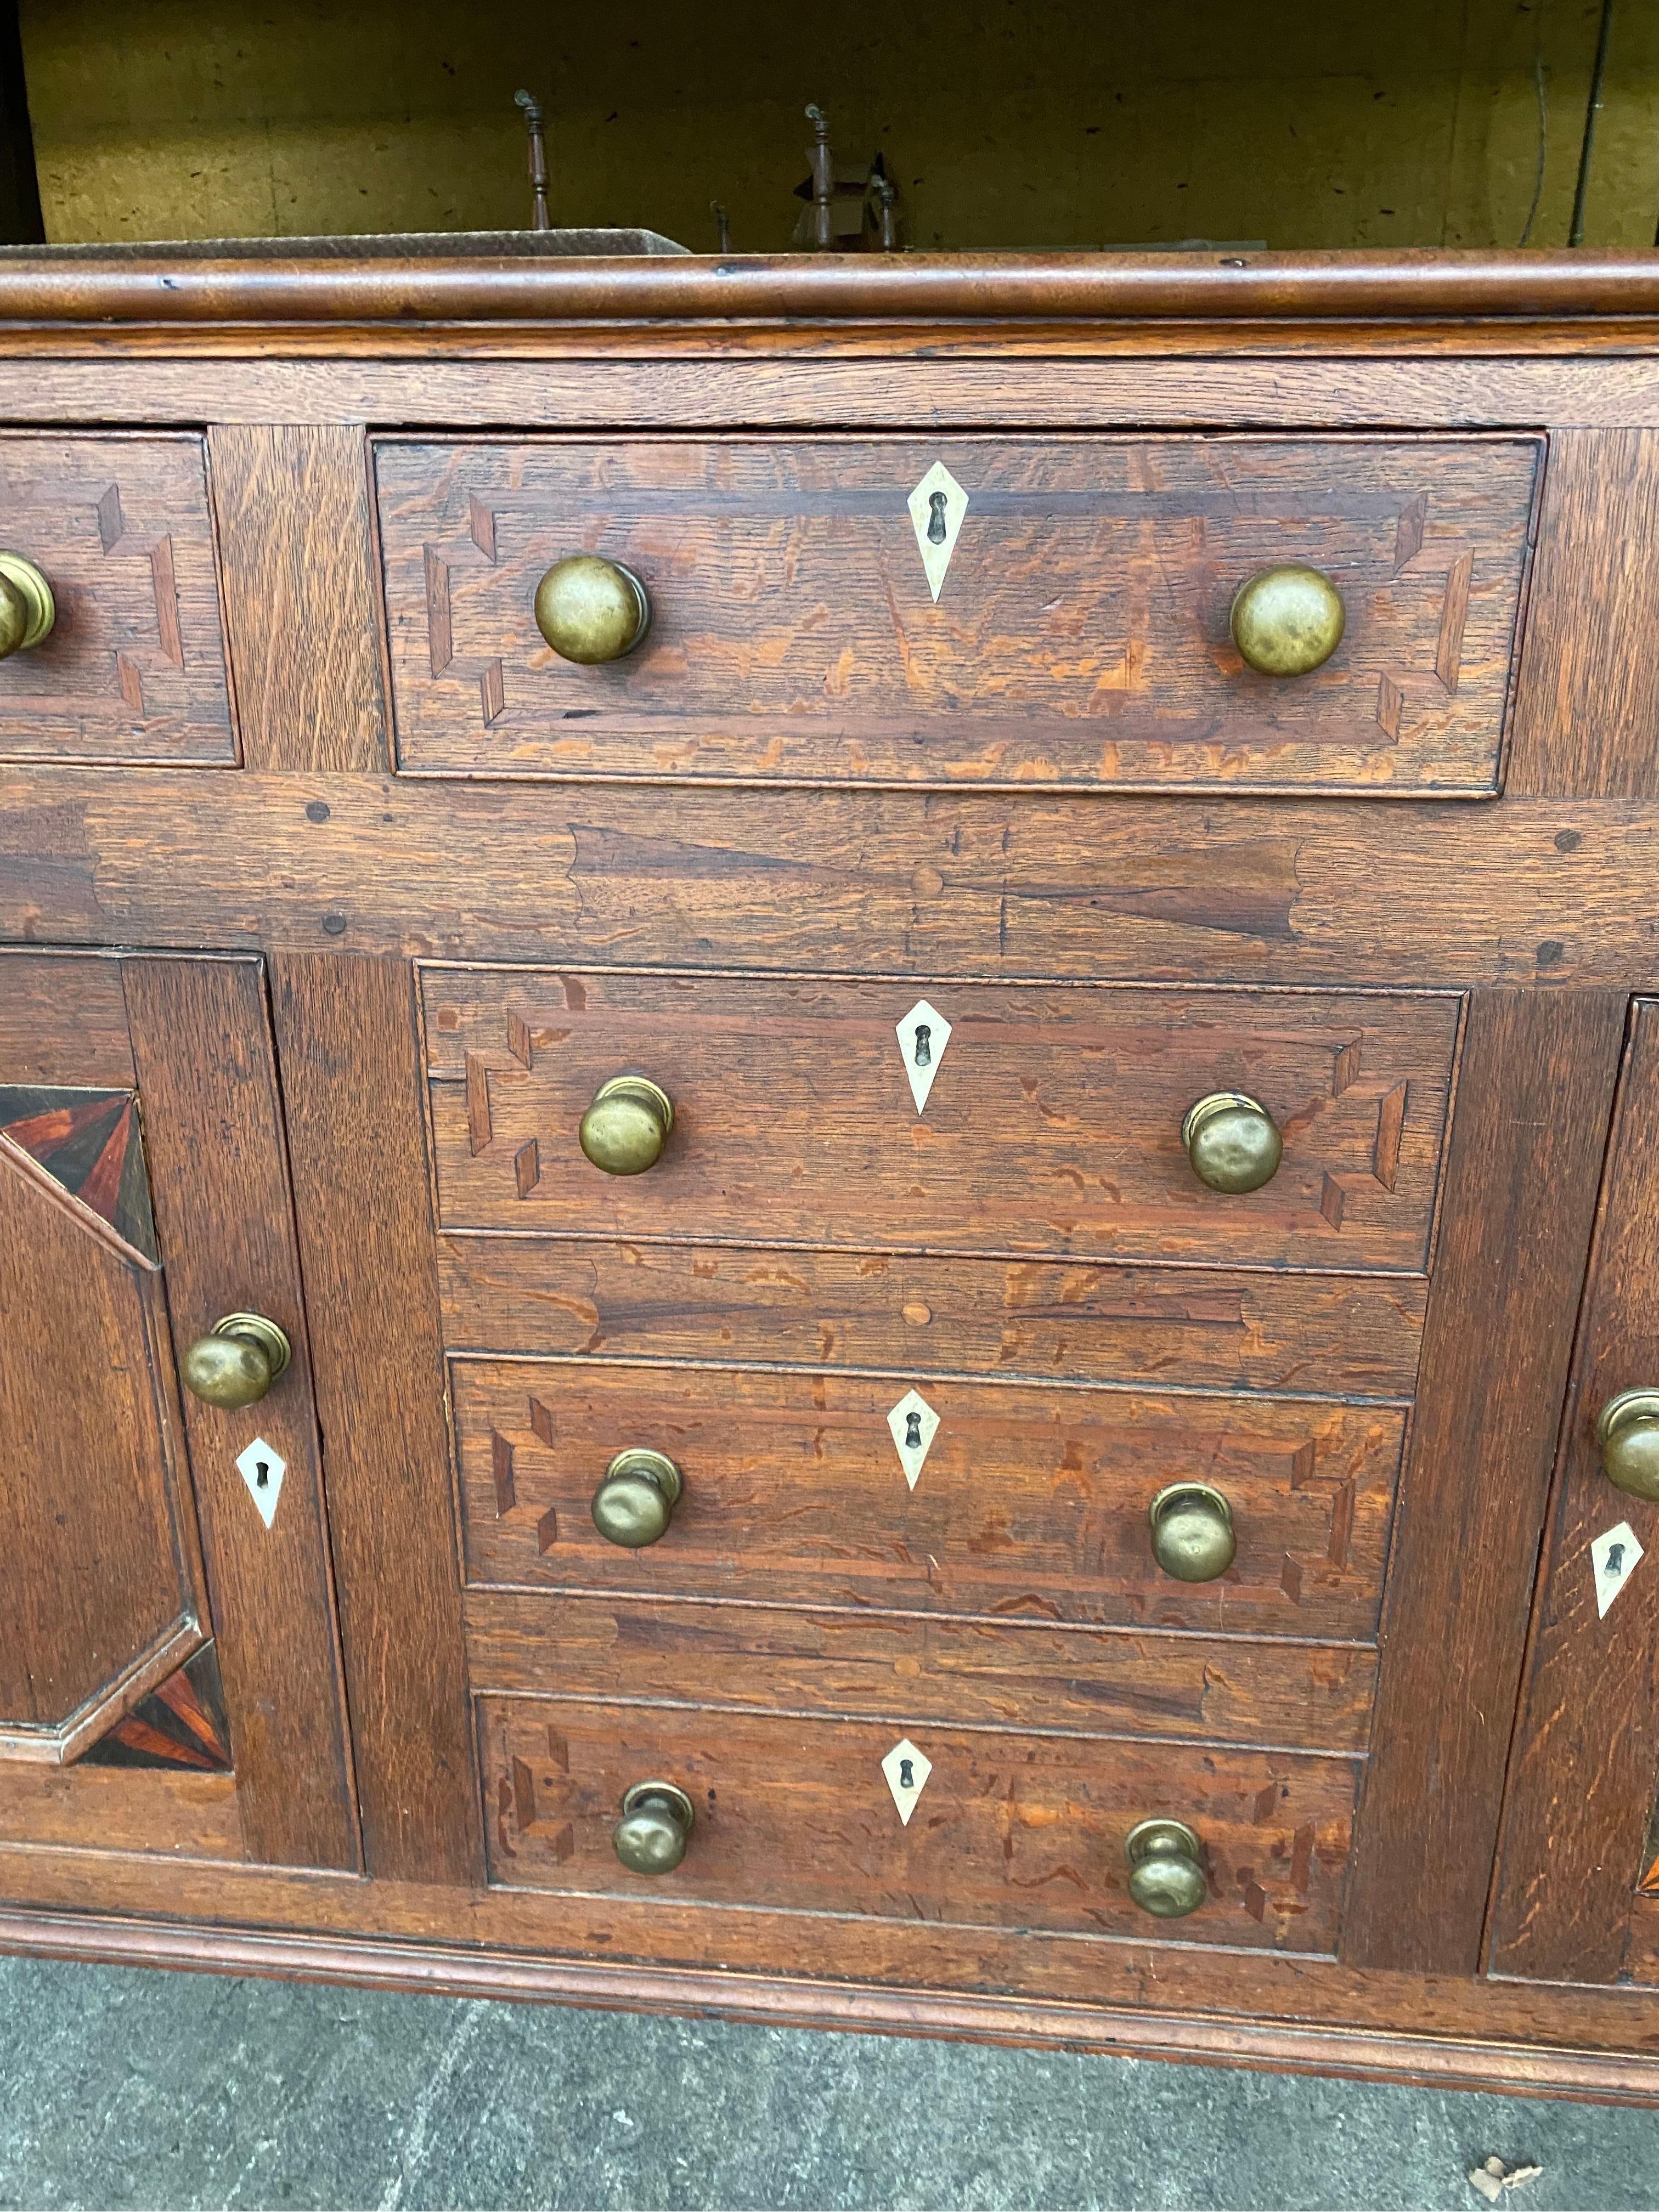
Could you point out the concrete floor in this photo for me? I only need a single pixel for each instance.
(121, 2088)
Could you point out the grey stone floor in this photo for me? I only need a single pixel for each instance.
(124, 2087)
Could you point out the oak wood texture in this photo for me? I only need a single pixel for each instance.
(1052, 1126)
(1080, 636)
(1143, 1685)
(162, 287)
(100, 1573)
(214, 1132)
(928, 888)
(1642, 1945)
(1584, 1776)
(654, 1953)
(64, 1021)
(1585, 710)
(352, 1090)
(134, 669)
(1021, 1831)
(1535, 1097)
(1033, 1321)
(1028, 1503)
(300, 600)
(120, 1808)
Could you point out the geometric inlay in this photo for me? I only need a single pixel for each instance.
(906, 1771)
(937, 507)
(1613, 1555)
(263, 1468)
(181, 1725)
(922, 1035)
(90, 1144)
(913, 1425)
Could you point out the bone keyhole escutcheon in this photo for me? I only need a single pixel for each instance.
(936, 524)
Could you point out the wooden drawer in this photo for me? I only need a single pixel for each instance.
(1052, 1126)
(134, 668)
(1010, 1831)
(1027, 1503)
(1079, 638)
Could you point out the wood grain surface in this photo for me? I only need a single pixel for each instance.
(347, 1031)
(1080, 636)
(1028, 1503)
(1584, 1776)
(300, 598)
(1534, 1098)
(64, 1020)
(1010, 1831)
(224, 1214)
(1351, 1336)
(119, 1809)
(134, 669)
(1143, 1685)
(1052, 1126)
(98, 1567)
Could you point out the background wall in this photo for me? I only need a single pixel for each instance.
(1006, 123)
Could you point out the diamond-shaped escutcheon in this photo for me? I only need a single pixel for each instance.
(906, 1771)
(261, 1468)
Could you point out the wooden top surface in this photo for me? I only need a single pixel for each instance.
(172, 287)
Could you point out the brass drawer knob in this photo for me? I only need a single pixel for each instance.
(1628, 1433)
(634, 1504)
(1166, 1876)
(625, 1128)
(655, 1828)
(1192, 1532)
(590, 610)
(237, 1361)
(1231, 1142)
(27, 610)
(1288, 621)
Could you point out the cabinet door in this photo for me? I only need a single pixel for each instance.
(168, 1677)
(1577, 1891)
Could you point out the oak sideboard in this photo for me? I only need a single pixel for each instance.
(830, 1140)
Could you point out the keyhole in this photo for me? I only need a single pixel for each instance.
(1615, 1559)
(262, 1472)
(936, 532)
(912, 1431)
(907, 1772)
(924, 1044)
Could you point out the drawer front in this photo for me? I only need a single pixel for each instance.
(1025, 1503)
(134, 667)
(1009, 1830)
(1052, 1126)
(1079, 636)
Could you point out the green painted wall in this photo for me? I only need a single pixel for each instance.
(1008, 123)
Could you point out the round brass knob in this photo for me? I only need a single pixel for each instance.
(1287, 621)
(625, 1128)
(1166, 1876)
(1628, 1433)
(655, 1828)
(237, 1361)
(1192, 1532)
(27, 610)
(634, 1504)
(1231, 1142)
(590, 610)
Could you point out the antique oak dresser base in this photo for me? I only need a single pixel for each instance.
(408, 1497)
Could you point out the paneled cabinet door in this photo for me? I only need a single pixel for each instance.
(168, 1677)
(1577, 1891)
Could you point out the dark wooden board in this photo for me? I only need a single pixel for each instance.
(1028, 1503)
(119, 1809)
(62, 1020)
(1534, 1095)
(1079, 636)
(1010, 1831)
(134, 669)
(1035, 1321)
(353, 1093)
(223, 1211)
(1584, 1776)
(1139, 1685)
(301, 598)
(1052, 1126)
